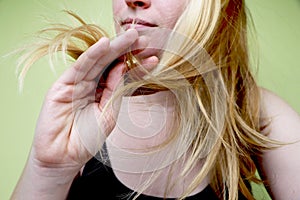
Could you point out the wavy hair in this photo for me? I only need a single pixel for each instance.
(217, 98)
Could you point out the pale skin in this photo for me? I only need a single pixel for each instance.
(57, 153)
(281, 166)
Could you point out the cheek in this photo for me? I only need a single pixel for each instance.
(117, 7)
(170, 14)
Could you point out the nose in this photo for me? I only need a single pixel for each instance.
(144, 4)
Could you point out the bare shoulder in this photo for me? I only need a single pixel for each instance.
(281, 166)
(284, 120)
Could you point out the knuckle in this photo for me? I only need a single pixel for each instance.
(60, 92)
(77, 66)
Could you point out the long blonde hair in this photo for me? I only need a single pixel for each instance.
(218, 100)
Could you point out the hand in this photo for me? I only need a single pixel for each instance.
(69, 130)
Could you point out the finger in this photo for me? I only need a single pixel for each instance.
(104, 50)
(144, 68)
(114, 79)
(150, 63)
(117, 48)
(139, 45)
(68, 93)
(85, 62)
(115, 76)
(84, 89)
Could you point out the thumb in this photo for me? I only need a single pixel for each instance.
(143, 68)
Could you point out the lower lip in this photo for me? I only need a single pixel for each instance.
(138, 27)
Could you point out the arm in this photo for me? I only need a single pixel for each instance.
(67, 132)
(281, 167)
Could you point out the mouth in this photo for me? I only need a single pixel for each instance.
(136, 23)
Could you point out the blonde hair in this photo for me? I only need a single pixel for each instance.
(218, 100)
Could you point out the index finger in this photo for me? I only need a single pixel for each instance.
(103, 49)
(117, 48)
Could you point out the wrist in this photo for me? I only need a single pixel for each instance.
(43, 183)
(57, 174)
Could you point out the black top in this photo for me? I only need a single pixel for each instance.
(98, 181)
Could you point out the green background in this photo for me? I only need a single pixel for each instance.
(278, 33)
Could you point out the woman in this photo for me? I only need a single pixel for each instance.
(184, 64)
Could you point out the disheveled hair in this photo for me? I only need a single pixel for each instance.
(218, 102)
